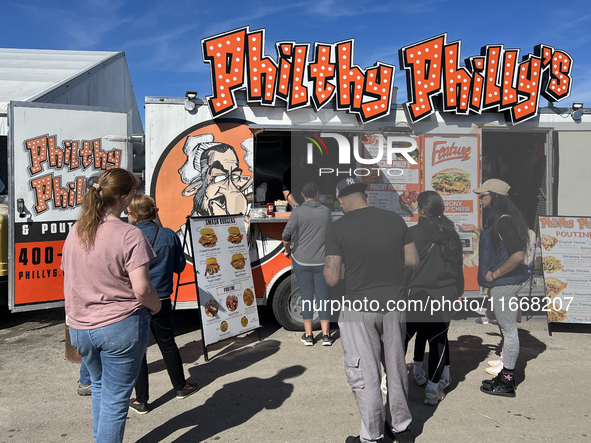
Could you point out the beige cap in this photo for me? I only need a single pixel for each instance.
(494, 185)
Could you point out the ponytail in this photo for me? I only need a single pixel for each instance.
(99, 198)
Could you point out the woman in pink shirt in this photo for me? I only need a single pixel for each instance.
(109, 298)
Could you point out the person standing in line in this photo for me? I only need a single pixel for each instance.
(374, 246)
(438, 277)
(84, 383)
(169, 260)
(503, 240)
(109, 298)
(303, 239)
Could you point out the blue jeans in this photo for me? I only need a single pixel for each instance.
(84, 374)
(312, 283)
(113, 355)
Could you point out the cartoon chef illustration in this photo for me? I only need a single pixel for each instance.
(214, 177)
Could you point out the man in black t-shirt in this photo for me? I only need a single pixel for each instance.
(373, 245)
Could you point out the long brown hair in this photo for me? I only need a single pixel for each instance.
(99, 198)
(143, 207)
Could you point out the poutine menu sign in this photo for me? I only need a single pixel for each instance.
(566, 260)
(224, 277)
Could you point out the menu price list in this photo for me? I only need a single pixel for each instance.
(225, 284)
(566, 262)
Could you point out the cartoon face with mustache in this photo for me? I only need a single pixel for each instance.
(219, 185)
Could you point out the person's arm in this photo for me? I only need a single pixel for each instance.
(287, 246)
(332, 269)
(289, 197)
(411, 256)
(469, 228)
(179, 256)
(512, 262)
(143, 289)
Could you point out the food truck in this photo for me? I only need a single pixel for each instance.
(315, 107)
(312, 106)
(65, 116)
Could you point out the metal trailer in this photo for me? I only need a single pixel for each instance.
(64, 117)
(171, 124)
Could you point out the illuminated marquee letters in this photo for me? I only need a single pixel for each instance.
(237, 61)
(495, 80)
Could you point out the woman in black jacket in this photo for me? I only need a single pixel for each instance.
(440, 278)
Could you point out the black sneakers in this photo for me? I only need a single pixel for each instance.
(184, 393)
(400, 437)
(327, 340)
(308, 340)
(498, 386)
(140, 408)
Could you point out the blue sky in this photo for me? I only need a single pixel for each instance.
(162, 40)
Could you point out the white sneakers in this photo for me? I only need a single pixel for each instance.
(433, 396)
(421, 377)
(494, 370)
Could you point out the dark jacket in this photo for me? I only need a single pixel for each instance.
(491, 259)
(433, 271)
(169, 257)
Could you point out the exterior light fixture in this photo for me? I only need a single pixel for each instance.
(577, 111)
(190, 104)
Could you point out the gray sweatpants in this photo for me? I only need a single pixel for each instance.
(501, 297)
(368, 339)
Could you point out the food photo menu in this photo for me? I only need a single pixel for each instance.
(566, 261)
(224, 277)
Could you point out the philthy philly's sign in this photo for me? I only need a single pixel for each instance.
(494, 80)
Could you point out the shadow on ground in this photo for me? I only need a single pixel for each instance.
(467, 354)
(232, 405)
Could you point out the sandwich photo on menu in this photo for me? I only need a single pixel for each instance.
(234, 235)
(208, 238)
(211, 266)
(238, 261)
(451, 181)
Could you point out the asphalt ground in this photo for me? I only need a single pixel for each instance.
(277, 390)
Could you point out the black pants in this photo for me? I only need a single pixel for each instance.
(430, 327)
(163, 330)
(436, 335)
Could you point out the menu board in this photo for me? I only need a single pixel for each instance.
(393, 185)
(224, 277)
(566, 261)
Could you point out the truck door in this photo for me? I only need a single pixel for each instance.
(52, 152)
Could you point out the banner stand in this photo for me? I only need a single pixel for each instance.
(226, 282)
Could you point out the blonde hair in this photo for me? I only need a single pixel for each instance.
(99, 198)
(143, 207)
